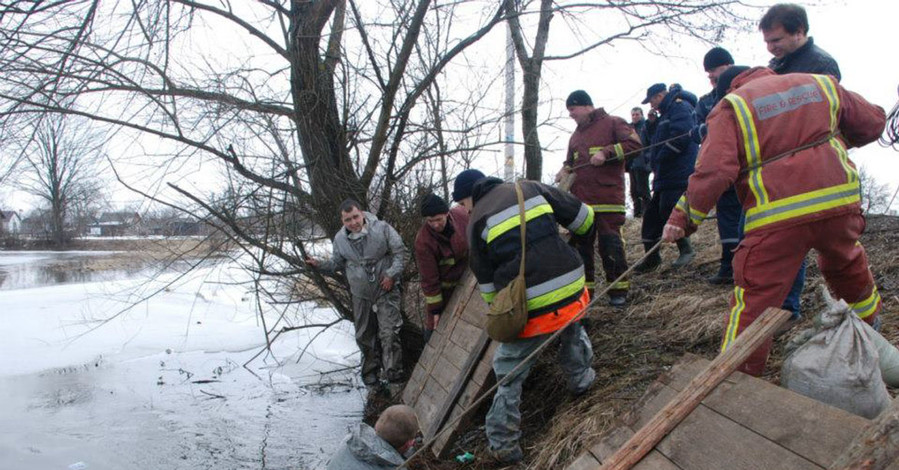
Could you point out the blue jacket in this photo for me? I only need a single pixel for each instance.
(672, 162)
(703, 108)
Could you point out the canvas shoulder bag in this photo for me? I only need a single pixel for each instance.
(508, 313)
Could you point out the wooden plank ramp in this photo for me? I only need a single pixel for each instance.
(744, 423)
(455, 366)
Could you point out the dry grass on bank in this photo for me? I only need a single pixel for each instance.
(669, 314)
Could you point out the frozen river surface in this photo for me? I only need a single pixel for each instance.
(162, 385)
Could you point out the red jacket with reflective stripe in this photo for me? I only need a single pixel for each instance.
(765, 117)
(601, 186)
(442, 260)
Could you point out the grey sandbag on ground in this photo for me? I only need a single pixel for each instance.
(837, 362)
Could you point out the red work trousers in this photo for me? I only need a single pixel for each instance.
(765, 264)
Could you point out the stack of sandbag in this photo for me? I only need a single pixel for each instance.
(838, 362)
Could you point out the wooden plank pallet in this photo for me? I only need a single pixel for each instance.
(454, 368)
(744, 423)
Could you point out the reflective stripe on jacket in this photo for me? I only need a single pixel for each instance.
(554, 272)
(766, 117)
(442, 258)
(602, 186)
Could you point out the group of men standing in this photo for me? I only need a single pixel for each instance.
(767, 148)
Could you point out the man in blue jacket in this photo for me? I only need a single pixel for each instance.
(672, 158)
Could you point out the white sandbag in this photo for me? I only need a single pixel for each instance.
(838, 364)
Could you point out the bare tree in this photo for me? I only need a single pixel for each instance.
(636, 20)
(875, 196)
(61, 167)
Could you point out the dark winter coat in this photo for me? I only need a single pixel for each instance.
(807, 59)
(672, 162)
(702, 110)
(554, 271)
(640, 162)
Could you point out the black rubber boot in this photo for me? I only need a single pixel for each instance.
(725, 273)
(686, 253)
(651, 262)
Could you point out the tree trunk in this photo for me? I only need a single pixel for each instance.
(321, 134)
(533, 156)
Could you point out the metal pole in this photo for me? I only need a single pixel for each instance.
(509, 174)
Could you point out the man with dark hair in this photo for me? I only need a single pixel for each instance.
(785, 28)
(595, 152)
(554, 275)
(638, 168)
(381, 447)
(371, 254)
(783, 141)
(441, 251)
(728, 210)
(672, 159)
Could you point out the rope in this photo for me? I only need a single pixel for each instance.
(890, 137)
(521, 364)
(633, 152)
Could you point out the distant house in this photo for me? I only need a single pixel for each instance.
(10, 223)
(177, 227)
(116, 224)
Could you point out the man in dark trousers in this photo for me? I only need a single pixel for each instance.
(554, 275)
(783, 141)
(595, 153)
(728, 209)
(638, 168)
(672, 159)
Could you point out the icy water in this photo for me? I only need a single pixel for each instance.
(27, 269)
(122, 399)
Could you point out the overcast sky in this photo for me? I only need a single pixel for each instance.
(856, 33)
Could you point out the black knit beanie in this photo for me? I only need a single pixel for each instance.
(464, 182)
(578, 98)
(716, 57)
(726, 78)
(433, 205)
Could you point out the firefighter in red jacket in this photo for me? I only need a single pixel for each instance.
(599, 182)
(441, 251)
(783, 140)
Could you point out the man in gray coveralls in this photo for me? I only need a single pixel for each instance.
(371, 253)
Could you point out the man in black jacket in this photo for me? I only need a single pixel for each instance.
(785, 28)
(638, 168)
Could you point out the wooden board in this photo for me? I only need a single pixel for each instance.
(454, 368)
(745, 423)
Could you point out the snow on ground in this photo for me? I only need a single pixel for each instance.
(161, 378)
